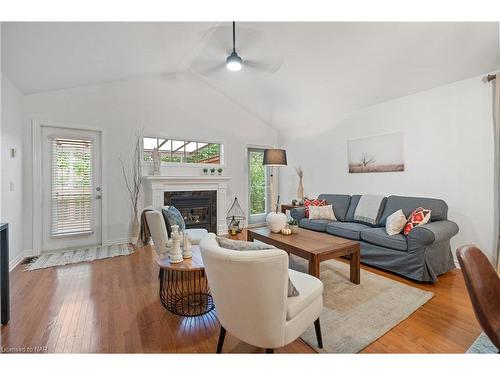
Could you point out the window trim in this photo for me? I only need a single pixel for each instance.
(183, 164)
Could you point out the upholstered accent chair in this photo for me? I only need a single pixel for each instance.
(483, 285)
(250, 288)
(159, 234)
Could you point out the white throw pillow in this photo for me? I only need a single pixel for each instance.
(322, 212)
(395, 223)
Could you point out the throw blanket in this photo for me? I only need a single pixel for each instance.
(368, 208)
(144, 233)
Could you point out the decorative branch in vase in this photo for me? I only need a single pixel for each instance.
(132, 174)
(300, 189)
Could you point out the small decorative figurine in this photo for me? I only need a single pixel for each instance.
(186, 247)
(156, 161)
(176, 253)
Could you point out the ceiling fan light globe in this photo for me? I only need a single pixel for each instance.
(233, 62)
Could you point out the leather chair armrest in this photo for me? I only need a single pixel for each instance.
(298, 213)
(430, 233)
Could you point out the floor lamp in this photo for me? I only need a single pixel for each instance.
(274, 157)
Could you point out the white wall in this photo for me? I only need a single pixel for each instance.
(12, 168)
(449, 155)
(183, 108)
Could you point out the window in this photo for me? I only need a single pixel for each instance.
(71, 187)
(173, 151)
(258, 178)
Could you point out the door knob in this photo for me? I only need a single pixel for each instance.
(98, 188)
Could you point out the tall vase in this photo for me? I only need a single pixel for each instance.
(300, 190)
(134, 228)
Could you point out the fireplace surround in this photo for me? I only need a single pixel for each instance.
(156, 186)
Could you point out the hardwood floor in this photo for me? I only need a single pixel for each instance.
(112, 306)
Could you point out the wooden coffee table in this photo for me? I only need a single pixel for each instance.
(312, 246)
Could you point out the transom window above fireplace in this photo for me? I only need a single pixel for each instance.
(175, 151)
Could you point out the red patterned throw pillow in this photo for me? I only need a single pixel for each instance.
(418, 217)
(313, 202)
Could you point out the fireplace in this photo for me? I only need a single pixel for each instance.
(198, 208)
(156, 187)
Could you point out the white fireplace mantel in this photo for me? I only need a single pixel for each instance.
(156, 186)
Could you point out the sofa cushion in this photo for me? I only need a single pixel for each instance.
(352, 207)
(322, 212)
(313, 202)
(346, 230)
(174, 217)
(438, 207)
(318, 225)
(310, 288)
(340, 204)
(418, 217)
(378, 236)
(395, 223)
(227, 243)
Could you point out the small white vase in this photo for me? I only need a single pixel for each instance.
(276, 221)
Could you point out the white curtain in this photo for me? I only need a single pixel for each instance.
(497, 132)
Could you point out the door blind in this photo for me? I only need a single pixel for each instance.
(72, 187)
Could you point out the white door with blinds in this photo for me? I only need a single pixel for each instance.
(71, 191)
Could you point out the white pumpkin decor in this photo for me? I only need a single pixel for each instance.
(276, 221)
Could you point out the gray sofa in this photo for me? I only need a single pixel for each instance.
(422, 255)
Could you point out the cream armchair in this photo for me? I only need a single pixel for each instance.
(159, 234)
(250, 288)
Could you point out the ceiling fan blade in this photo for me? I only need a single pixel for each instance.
(265, 67)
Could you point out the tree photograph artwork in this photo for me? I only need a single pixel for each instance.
(381, 153)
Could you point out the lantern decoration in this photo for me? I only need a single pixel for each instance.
(235, 218)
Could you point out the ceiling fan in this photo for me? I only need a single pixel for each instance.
(233, 61)
(210, 60)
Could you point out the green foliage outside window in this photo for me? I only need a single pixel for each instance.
(207, 154)
(71, 165)
(257, 183)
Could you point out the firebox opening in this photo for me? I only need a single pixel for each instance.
(198, 208)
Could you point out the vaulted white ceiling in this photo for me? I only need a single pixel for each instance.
(311, 71)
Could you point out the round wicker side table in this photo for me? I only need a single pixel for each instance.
(184, 286)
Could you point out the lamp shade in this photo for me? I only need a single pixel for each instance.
(274, 157)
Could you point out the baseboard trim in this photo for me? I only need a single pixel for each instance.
(15, 261)
(116, 241)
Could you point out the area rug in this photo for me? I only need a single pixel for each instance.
(354, 316)
(482, 345)
(86, 254)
